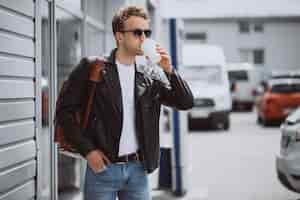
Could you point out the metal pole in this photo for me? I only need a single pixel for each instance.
(178, 190)
(38, 91)
(52, 99)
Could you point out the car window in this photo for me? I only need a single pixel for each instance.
(285, 76)
(205, 74)
(240, 75)
(285, 88)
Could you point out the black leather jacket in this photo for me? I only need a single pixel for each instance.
(106, 118)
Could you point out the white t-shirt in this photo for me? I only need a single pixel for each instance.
(128, 141)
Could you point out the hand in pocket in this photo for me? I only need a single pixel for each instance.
(97, 161)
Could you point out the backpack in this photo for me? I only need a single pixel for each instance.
(95, 75)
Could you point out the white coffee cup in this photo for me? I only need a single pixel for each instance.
(149, 49)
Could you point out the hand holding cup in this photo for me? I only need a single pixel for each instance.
(157, 55)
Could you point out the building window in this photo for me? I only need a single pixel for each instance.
(255, 56)
(258, 56)
(245, 55)
(244, 27)
(196, 36)
(69, 43)
(258, 27)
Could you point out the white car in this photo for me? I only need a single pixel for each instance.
(204, 68)
(244, 79)
(288, 160)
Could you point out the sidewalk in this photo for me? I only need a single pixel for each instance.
(191, 195)
(194, 191)
(162, 195)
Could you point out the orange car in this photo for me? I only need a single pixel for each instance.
(280, 98)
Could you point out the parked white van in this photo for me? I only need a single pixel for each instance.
(205, 71)
(243, 79)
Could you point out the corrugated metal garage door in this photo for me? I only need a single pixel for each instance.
(17, 100)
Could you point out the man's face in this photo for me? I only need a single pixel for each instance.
(130, 40)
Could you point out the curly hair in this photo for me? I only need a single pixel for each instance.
(123, 14)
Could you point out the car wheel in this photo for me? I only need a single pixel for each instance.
(284, 181)
(258, 120)
(226, 123)
(265, 122)
(249, 107)
(212, 124)
(191, 125)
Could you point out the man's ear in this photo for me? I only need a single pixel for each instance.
(119, 36)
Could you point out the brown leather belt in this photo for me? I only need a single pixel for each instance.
(128, 157)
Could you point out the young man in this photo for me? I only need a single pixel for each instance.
(121, 143)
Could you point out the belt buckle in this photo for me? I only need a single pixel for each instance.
(126, 158)
(125, 161)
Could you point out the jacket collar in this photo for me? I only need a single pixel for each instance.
(112, 80)
(112, 57)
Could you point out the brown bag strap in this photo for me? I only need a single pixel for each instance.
(95, 75)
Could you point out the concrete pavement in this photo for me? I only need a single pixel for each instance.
(193, 193)
(237, 165)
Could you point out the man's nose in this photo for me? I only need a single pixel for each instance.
(143, 37)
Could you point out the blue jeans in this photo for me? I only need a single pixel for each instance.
(127, 181)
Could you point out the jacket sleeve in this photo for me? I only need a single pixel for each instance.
(179, 96)
(72, 103)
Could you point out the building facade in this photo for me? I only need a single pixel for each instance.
(264, 32)
(270, 43)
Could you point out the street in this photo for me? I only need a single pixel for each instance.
(235, 165)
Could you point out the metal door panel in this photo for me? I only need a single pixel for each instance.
(15, 23)
(13, 177)
(16, 110)
(15, 154)
(16, 89)
(17, 67)
(13, 132)
(25, 7)
(16, 45)
(23, 192)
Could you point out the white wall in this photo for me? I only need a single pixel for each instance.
(280, 40)
(136, 2)
(283, 45)
(223, 34)
(164, 35)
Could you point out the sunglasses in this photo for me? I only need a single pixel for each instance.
(139, 32)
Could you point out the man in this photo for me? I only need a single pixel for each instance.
(121, 143)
